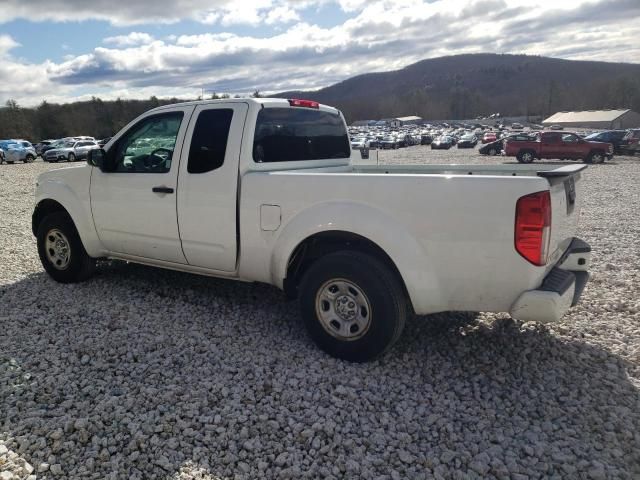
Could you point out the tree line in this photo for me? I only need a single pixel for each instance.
(459, 100)
(97, 118)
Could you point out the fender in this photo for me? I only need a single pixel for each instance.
(52, 186)
(400, 244)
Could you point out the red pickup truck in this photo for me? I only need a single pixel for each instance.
(560, 145)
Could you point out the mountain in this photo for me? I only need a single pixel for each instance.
(465, 86)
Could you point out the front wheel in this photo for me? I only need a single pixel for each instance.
(30, 158)
(61, 251)
(493, 152)
(352, 305)
(71, 158)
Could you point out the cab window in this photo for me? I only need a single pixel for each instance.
(148, 146)
(209, 140)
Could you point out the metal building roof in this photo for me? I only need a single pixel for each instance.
(408, 119)
(587, 116)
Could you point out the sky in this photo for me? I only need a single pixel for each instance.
(67, 50)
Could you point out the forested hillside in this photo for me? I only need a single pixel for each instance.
(465, 86)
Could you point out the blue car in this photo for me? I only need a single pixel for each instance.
(17, 151)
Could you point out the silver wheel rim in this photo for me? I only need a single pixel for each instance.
(492, 152)
(597, 158)
(527, 157)
(71, 157)
(58, 249)
(343, 309)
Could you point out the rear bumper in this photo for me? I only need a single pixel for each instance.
(560, 290)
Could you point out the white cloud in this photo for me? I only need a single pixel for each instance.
(281, 14)
(379, 35)
(139, 12)
(7, 43)
(129, 40)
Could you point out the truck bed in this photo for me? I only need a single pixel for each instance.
(452, 226)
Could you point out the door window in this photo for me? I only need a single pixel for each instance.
(148, 146)
(570, 138)
(209, 140)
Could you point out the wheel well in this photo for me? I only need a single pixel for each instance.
(315, 246)
(44, 208)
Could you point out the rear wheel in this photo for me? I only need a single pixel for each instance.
(595, 157)
(525, 156)
(352, 305)
(71, 158)
(61, 251)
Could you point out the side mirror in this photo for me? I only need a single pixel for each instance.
(96, 158)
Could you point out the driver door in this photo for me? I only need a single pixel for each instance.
(134, 202)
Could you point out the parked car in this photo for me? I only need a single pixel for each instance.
(41, 144)
(280, 203)
(630, 144)
(516, 126)
(443, 142)
(614, 137)
(426, 139)
(489, 137)
(70, 151)
(495, 148)
(104, 141)
(54, 144)
(556, 127)
(18, 151)
(563, 146)
(389, 142)
(467, 141)
(1, 156)
(359, 143)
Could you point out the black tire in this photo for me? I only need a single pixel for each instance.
(71, 157)
(595, 157)
(525, 156)
(382, 292)
(30, 158)
(80, 265)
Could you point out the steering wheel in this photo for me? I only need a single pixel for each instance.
(154, 160)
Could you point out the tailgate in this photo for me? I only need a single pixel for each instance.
(565, 183)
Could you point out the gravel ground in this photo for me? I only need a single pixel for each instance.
(143, 373)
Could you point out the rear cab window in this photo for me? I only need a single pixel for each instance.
(298, 134)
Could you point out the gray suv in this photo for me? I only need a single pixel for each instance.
(70, 151)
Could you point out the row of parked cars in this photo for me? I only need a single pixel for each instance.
(526, 146)
(68, 149)
(439, 137)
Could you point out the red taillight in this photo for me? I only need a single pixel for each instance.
(533, 227)
(294, 102)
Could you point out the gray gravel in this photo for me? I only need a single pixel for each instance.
(142, 373)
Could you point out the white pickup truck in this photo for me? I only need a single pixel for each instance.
(265, 190)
